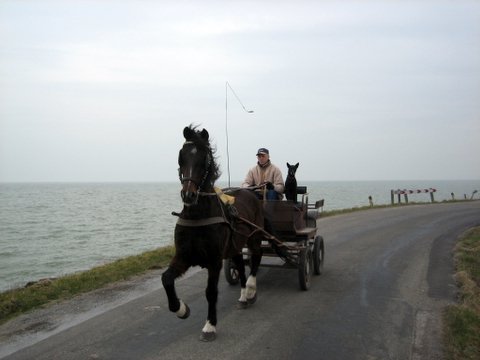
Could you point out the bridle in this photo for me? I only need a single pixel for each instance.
(198, 184)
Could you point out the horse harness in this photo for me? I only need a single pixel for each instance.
(230, 221)
(204, 221)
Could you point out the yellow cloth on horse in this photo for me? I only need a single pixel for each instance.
(226, 199)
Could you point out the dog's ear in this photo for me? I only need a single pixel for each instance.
(296, 165)
(288, 165)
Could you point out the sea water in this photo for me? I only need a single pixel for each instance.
(54, 229)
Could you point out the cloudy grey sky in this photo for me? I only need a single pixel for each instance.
(353, 90)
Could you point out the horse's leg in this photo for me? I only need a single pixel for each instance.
(240, 265)
(174, 303)
(211, 293)
(251, 285)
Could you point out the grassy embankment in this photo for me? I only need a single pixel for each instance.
(17, 301)
(462, 321)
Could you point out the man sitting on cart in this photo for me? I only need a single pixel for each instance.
(265, 174)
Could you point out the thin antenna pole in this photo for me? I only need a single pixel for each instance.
(226, 131)
(227, 85)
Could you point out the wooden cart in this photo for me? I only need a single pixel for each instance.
(293, 238)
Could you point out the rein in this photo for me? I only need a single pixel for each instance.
(267, 235)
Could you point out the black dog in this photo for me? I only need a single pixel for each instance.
(291, 183)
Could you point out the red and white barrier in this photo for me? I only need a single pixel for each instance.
(403, 192)
(406, 192)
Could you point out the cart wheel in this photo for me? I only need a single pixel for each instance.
(318, 255)
(231, 272)
(305, 268)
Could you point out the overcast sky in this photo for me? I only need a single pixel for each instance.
(353, 90)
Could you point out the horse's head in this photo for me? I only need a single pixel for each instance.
(197, 168)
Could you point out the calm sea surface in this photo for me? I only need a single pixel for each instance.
(53, 229)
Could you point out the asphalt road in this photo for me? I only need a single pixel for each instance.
(388, 274)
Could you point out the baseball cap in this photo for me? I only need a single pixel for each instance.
(262, 151)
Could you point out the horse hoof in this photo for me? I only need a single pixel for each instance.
(186, 314)
(252, 300)
(241, 305)
(208, 336)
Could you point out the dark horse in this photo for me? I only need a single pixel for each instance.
(208, 231)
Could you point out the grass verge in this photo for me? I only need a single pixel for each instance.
(17, 301)
(462, 321)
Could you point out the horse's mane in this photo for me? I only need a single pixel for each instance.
(202, 141)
